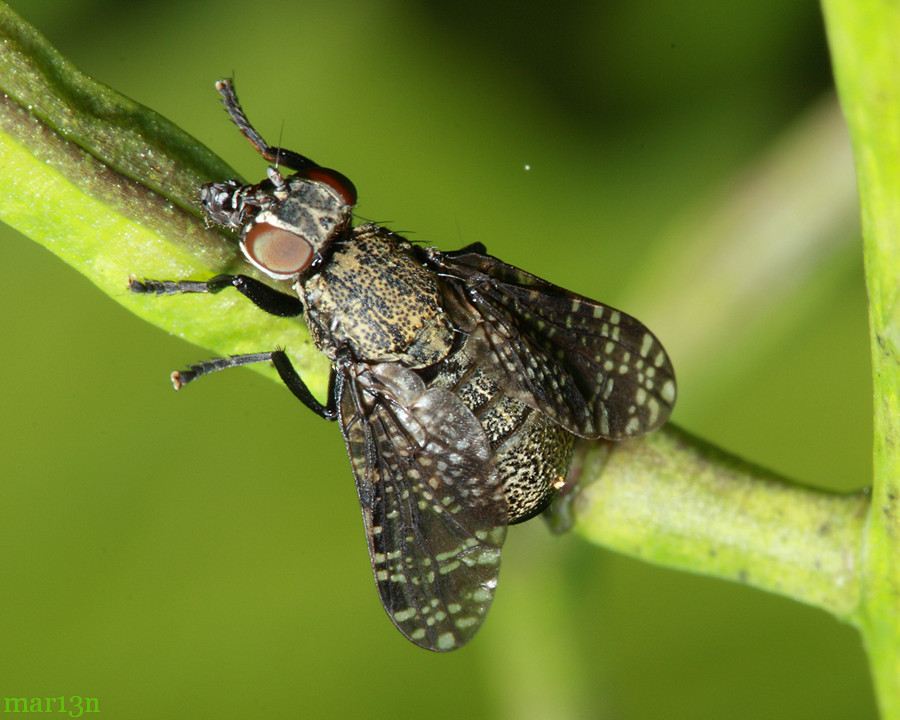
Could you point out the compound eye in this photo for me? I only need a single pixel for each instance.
(341, 184)
(277, 252)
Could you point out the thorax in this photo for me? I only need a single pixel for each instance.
(374, 298)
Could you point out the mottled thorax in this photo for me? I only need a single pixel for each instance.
(375, 299)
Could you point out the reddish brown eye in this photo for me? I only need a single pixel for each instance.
(280, 253)
(345, 189)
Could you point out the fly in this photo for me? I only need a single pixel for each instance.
(459, 382)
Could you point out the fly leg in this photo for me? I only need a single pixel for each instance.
(264, 297)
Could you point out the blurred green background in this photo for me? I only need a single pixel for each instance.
(201, 554)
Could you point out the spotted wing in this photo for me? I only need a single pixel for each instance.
(434, 513)
(593, 369)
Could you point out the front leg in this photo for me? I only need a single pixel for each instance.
(264, 297)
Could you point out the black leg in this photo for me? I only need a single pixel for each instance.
(180, 378)
(264, 297)
(295, 384)
(285, 369)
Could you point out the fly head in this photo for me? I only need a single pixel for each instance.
(285, 223)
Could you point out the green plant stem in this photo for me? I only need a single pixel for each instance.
(676, 501)
(863, 36)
